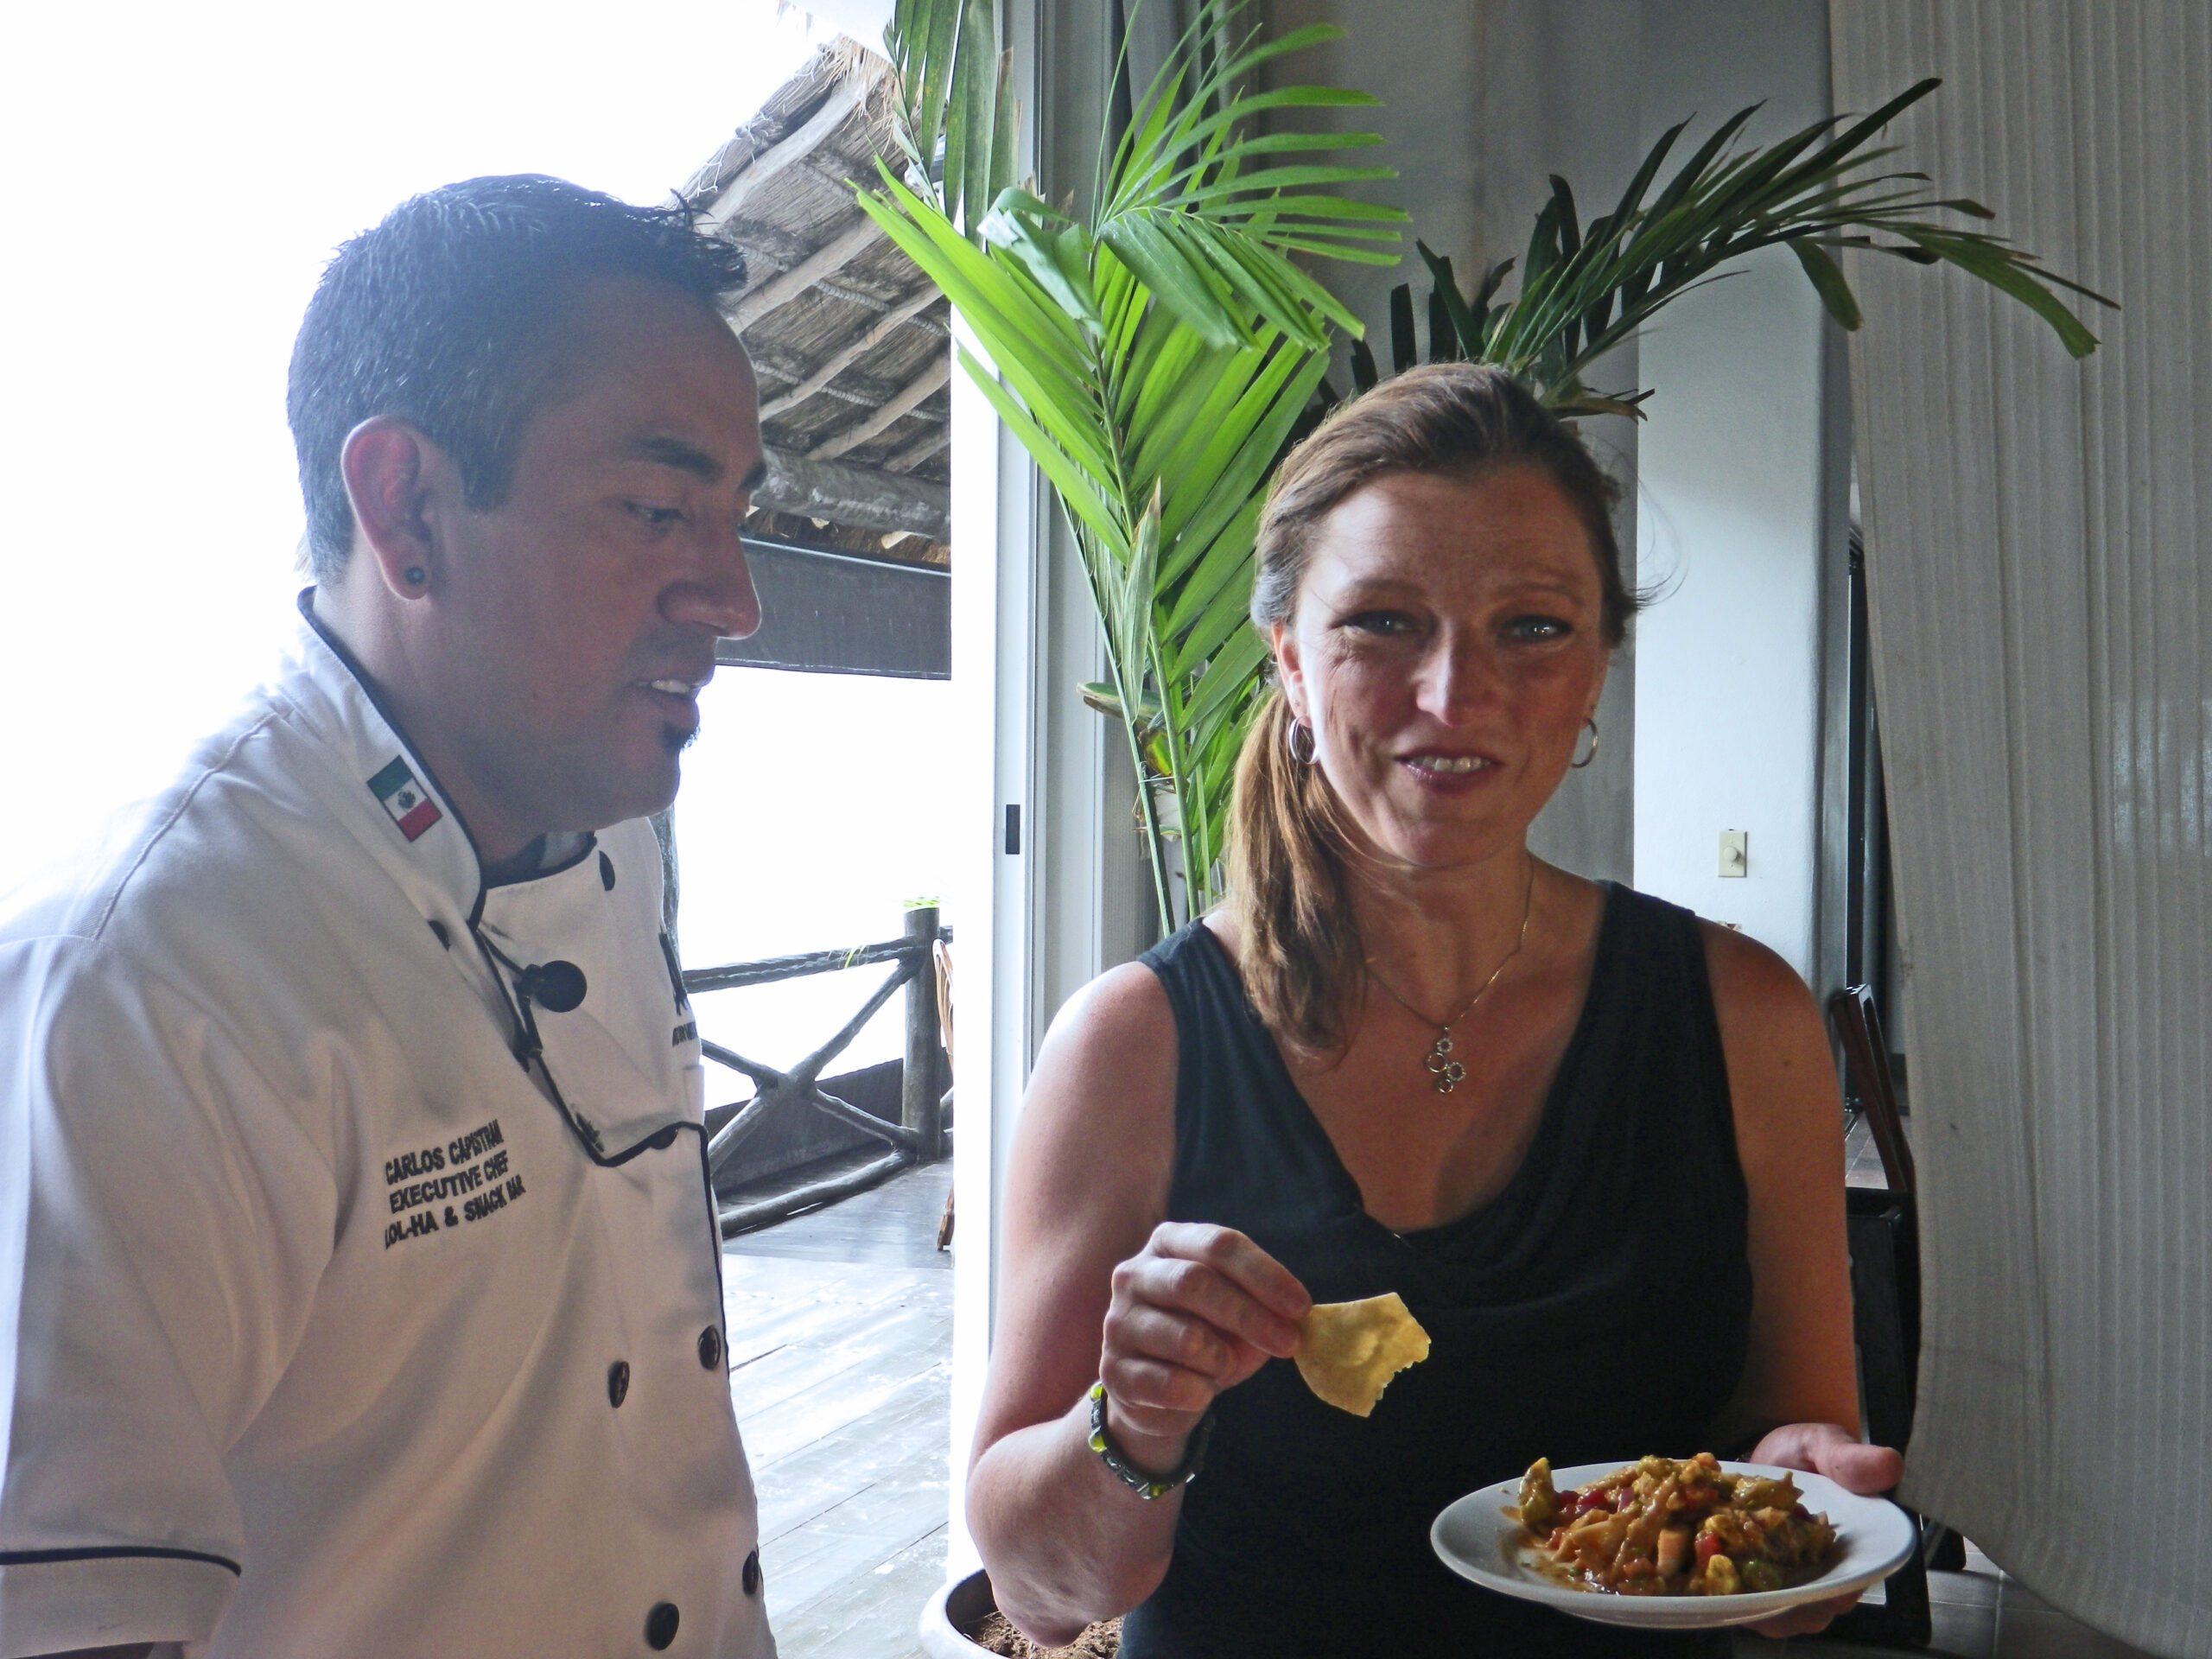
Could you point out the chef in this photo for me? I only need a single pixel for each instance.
(360, 1278)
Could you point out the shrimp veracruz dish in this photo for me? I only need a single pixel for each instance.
(1663, 1527)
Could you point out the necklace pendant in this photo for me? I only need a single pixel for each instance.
(1447, 1072)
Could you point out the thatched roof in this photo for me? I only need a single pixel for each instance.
(851, 342)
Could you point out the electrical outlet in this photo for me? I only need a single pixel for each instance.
(1735, 852)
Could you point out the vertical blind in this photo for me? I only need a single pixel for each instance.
(2039, 538)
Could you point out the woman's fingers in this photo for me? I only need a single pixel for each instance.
(1238, 1260)
(1860, 1468)
(1197, 1311)
(1159, 1402)
(1218, 1276)
(1193, 1290)
(1831, 1450)
(1827, 1449)
(1813, 1617)
(1188, 1344)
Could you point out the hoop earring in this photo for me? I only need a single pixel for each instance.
(1593, 755)
(1297, 729)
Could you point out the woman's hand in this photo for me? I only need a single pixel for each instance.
(1197, 1311)
(1826, 1449)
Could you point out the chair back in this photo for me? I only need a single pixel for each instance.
(1884, 1236)
(1866, 1073)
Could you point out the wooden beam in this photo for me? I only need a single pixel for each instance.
(843, 99)
(938, 372)
(783, 289)
(848, 494)
(829, 613)
(767, 248)
(920, 450)
(845, 359)
(874, 302)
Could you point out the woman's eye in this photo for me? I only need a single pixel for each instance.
(656, 518)
(1538, 630)
(1387, 624)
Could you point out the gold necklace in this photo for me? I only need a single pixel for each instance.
(1447, 1072)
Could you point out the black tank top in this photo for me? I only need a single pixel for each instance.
(1598, 1308)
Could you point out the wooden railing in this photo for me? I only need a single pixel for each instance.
(918, 1136)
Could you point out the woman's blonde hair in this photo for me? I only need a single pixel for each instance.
(1288, 843)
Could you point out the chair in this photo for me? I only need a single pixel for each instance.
(1884, 1236)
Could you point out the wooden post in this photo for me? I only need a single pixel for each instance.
(919, 1097)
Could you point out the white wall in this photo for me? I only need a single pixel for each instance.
(1736, 510)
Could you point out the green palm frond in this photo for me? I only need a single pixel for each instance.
(1199, 209)
(1156, 354)
(955, 119)
(1585, 287)
(1153, 358)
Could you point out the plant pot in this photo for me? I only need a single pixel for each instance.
(959, 1607)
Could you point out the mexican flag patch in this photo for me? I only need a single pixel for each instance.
(408, 803)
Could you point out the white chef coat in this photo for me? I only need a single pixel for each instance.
(327, 1326)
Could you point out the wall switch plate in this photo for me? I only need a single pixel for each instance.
(1735, 852)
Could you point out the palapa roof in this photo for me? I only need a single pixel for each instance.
(851, 342)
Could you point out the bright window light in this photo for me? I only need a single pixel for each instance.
(178, 174)
(813, 808)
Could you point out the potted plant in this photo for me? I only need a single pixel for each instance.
(1157, 354)
(952, 1613)
(1153, 353)
(957, 1613)
(1586, 287)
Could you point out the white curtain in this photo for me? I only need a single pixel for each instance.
(2040, 550)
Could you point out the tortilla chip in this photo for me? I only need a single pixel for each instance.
(1349, 1351)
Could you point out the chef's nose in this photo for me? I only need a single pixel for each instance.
(718, 595)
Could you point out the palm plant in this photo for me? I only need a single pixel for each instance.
(1156, 355)
(1586, 287)
(1152, 355)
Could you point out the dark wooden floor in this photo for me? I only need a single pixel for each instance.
(841, 1334)
(840, 1326)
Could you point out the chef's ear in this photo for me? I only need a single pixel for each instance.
(395, 480)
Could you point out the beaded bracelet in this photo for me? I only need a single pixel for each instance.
(1147, 1486)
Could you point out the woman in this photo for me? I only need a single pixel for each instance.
(1593, 1141)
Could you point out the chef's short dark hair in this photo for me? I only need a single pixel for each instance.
(442, 315)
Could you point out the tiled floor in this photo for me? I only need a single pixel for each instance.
(840, 1335)
(1862, 1164)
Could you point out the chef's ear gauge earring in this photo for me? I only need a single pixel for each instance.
(416, 576)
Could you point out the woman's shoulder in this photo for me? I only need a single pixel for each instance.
(1751, 983)
(1097, 1123)
(1125, 1004)
(1746, 975)
(1117, 1032)
(1772, 1038)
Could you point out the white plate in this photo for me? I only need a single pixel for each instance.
(1478, 1540)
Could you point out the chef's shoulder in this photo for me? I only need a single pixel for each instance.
(229, 897)
(206, 844)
